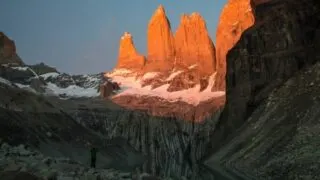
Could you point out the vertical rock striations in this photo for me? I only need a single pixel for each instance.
(128, 55)
(160, 42)
(193, 44)
(235, 18)
(172, 146)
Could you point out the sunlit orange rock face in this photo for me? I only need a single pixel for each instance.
(175, 65)
(8, 51)
(193, 44)
(128, 55)
(7, 45)
(235, 18)
(160, 42)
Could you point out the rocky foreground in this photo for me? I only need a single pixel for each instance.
(27, 164)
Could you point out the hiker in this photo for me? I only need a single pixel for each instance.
(93, 157)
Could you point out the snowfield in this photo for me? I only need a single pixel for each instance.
(130, 85)
(88, 83)
(71, 91)
(149, 75)
(129, 82)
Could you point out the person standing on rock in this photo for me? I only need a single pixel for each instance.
(93, 157)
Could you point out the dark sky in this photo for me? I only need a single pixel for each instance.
(82, 36)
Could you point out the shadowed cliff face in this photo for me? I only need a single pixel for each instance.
(41, 123)
(284, 40)
(280, 140)
(172, 147)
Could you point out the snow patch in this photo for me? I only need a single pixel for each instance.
(25, 69)
(130, 85)
(173, 75)
(211, 82)
(72, 91)
(127, 82)
(126, 35)
(118, 72)
(20, 68)
(5, 81)
(191, 96)
(51, 74)
(192, 66)
(91, 78)
(26, 87)
(149, 75)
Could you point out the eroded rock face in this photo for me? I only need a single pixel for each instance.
(159, 138)
(160, 42)
(235, 18)
(8, 51)
(284, 40)
(193, 44)
(129, 58)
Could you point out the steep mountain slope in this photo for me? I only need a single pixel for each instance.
(268, 131)
(30, 119)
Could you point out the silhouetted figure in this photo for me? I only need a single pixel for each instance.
(93, 157)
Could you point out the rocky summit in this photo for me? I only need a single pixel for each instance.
(193, 45)
(128, 55)
(160, 42)
(180, 70)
